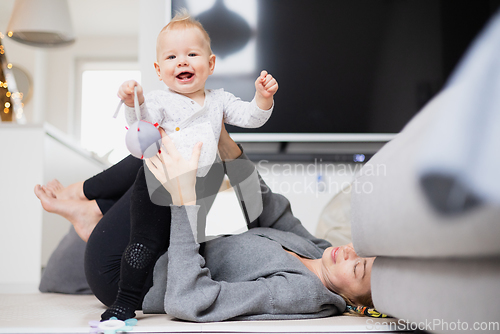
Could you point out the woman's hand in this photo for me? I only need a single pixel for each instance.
(175, 173)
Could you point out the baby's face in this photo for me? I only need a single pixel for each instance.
(184, 61)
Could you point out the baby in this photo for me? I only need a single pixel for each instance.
(186, 108)
(188, 113)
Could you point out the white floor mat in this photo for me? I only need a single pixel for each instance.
(57, 313)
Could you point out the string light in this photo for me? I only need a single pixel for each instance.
(12, 100)
(3, 85)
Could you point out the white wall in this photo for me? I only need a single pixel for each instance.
(154, 15)
(61, 77)
(57, 67)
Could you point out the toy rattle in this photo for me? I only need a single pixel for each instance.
(112, 326)
(143, 139)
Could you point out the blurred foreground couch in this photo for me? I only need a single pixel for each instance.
(428, 205)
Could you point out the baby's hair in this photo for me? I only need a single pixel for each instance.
(182, 20)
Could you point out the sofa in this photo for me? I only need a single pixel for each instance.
(427, 205)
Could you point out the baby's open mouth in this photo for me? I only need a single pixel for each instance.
(185, 75)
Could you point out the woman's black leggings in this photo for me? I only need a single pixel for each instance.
(133, 233)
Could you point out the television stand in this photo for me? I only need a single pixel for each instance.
(310, 147)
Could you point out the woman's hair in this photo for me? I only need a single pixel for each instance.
(182, 20)
(364, 300)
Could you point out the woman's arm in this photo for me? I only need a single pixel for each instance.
(261, 207)
(175, 173)
(192, 294)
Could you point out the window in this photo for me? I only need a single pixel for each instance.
(99, 131)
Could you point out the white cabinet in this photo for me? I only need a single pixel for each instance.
(30, 155)
(21, 161)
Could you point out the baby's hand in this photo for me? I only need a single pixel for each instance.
(266, 86)
(126, 93)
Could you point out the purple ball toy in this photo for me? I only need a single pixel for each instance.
(143, 140)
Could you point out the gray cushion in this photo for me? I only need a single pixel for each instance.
(391, 216)
(64, 272)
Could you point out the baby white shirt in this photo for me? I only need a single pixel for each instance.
(187, 123)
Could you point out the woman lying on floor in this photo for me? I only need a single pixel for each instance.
(275, 270)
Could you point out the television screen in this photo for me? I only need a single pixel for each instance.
(343, 66)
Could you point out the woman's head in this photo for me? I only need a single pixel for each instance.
(347, 274)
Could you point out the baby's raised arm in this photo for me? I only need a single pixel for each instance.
(265, 88)
(252, 114)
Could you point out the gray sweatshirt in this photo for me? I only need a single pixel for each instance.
(247, 276)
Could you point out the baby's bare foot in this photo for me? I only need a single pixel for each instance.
(84, 215)
(55, 189)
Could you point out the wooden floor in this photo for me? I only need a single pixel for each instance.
(57, 313)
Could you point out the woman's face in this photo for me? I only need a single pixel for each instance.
(345, 272)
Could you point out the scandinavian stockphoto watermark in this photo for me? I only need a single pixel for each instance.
(432, 325)
(277, 169)
(319, 177)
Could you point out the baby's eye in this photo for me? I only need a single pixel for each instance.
(192, 55)
(171, 57)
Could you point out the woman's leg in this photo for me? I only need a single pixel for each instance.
(106, 187)
(148, 239)
(85, 203)
(113, 182)
(84, 215)
(105, 248)
(57, 190)
(122, 281)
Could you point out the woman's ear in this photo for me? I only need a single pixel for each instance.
(211, 63)
(157, 69)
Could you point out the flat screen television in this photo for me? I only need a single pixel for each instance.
(343, 66)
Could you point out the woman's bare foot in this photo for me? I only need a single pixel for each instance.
(84, 215)
(55, 189)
